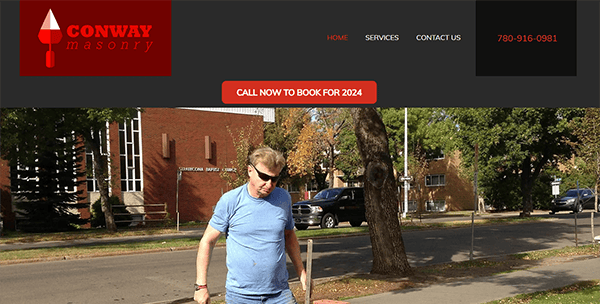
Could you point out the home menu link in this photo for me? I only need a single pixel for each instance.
(394, 37)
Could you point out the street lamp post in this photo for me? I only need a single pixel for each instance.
(177, 197)
(405, 178)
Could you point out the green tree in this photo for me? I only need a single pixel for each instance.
(348, 159)
(516, 145)
(87, 123)
(45, 158)
(430, 132)
(588, 134)
(90, 124)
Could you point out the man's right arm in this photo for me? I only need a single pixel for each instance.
(205, 248)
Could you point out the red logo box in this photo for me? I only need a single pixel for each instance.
(95, 38)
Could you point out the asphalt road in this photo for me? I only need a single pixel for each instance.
(168, 276)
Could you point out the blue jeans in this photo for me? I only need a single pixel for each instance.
(284, 297)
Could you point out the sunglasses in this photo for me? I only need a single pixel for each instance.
(266, 177)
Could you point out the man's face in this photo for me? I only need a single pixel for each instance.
(262, 180)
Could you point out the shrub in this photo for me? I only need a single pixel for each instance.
(98, 219)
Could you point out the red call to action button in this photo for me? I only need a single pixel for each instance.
(299, 92)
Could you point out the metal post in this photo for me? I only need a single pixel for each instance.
(177, 198)
(575, 213)
(476, 201)
(475, 171)
(405, 209)
(309, 252)
(472, 235)
(576, 241)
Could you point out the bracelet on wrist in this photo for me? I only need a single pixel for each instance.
(198, 287)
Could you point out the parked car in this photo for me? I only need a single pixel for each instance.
(330, 207)
(573, 202)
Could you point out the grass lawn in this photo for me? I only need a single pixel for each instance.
(11, 237)
(581, 292)
(96, 250)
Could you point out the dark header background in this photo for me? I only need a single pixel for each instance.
(217, 41)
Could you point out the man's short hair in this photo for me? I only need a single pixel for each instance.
(270, 158)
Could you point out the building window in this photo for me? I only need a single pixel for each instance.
(130, 155)
(436, 206)
(435, 180)
(353, 183)
(435, 154)
(313, 185)
(92, 183)
(412, 206)
(293, 187)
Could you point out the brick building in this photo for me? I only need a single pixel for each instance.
(440, 187)
(147, 152)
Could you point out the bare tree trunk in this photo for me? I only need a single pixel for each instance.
(389, 256)
(101, 172)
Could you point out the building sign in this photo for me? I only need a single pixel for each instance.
(207, 169)
(191, 169)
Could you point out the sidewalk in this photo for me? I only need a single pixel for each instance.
(485, 289)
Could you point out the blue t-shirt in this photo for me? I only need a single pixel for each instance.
(256, 260)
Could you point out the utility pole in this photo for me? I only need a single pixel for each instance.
(476, 203)
(405, 178)
(476, 171)
(576, 213)
(177, 197)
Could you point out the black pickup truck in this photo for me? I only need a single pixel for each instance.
(330, 207)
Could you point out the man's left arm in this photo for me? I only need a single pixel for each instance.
(293, 250)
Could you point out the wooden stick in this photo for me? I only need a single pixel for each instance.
(592, 223)
(576, 232)
(309, 252)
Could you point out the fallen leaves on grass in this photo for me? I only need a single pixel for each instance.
(360, 285)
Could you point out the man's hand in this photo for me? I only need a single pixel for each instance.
(303, 280)
(293, 249)
(202, 296)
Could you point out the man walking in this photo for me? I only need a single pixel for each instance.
(257, 221)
